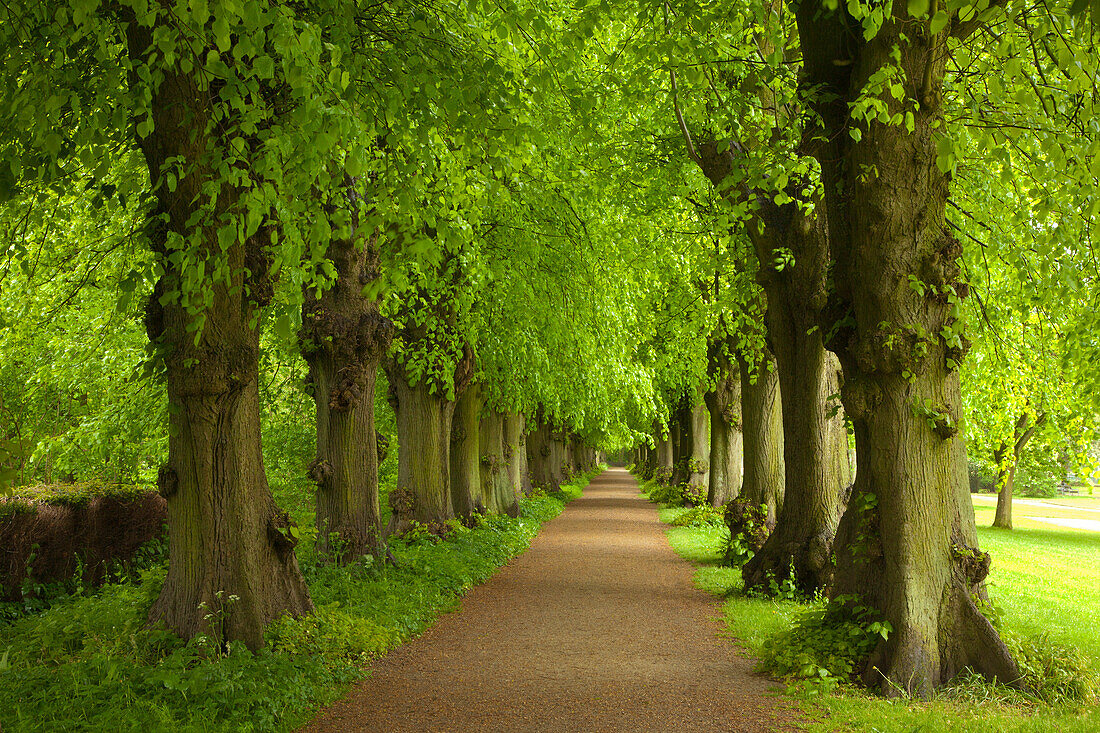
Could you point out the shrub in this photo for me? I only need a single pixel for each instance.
(700, 516)
(829, 642)
(332, 634)
(669, 494)
(693, 496)
(748, 528)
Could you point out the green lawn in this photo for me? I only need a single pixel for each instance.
(1044, 580)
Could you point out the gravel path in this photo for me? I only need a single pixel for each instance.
(596, 628)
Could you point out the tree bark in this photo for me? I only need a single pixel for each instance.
(815, 455)
(544, 456)
(497, 491)
(761, 411)
(726, 449)
(343, 339)
(525, 484)
(231, 562)
(699, 460)
(514, 457)
(663, 473)
(465, 458)
(680, 434)
(906, 543)
(423, 491)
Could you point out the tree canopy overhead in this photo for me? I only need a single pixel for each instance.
(598, 216)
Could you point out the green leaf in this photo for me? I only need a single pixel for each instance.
(918, 8)
(939, 22)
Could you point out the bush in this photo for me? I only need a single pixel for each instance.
(700, 516)
(748, 526)
(829, 642)
(669, 494)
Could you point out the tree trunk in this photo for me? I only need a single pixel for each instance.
(1006, 475)
(699, 460)
(761, 415)
(1005, 479)
(525, 483)
(815, 455)
(465, 458)
(496, 489)
(663, 474)
(681, 442)
(343, 338)
(231, 564)
(423, 492)
(514, 457)
(726, 449)
(906, 543)
(540, 458)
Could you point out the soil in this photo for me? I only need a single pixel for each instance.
(597, 627)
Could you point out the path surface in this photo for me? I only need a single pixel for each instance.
(595, 628)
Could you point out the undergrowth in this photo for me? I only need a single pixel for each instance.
(89, 663)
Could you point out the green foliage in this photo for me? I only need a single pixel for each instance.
(699, 516)
(827, 642)
(748, 529)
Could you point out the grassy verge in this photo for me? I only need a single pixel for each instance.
(89, 664)
(1043, 581)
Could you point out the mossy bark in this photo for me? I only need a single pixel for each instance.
(465, 453)
(815, 455)
(515, 456)
(343, 338)
(423, 491)
(497, 491)
(906, 543)
(231, 567)
(762, 417)
(726, 449)
(545, 458)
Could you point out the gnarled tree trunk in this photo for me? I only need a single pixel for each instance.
(496, 489)
(423, 491)
(699, 460)
(815, 455)
(726, 449)
(906, 543)
(465, 455)
(514, 457)
(663, 473)
(343, 338)
(231, 562)
(762, 418)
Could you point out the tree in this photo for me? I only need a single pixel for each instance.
(343, 338)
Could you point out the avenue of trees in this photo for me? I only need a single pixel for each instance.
(821, 256)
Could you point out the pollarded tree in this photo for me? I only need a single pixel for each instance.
(765, 181)
(430, 362)
(907, 542)
(343, 339)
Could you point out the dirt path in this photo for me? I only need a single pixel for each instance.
(596, 628)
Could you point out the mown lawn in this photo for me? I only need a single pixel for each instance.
(1044, 581)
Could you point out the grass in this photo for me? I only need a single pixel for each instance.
(88, 663)
(1044, 581)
